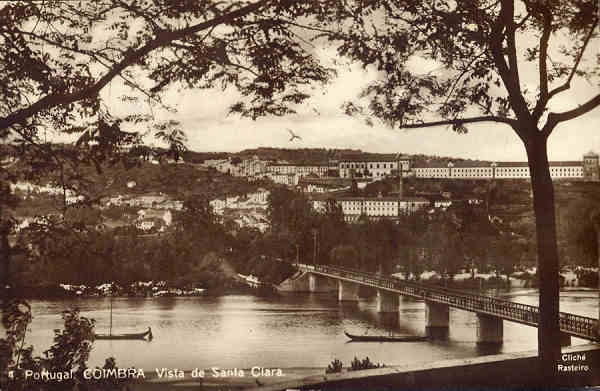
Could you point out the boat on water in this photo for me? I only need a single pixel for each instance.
(386, 338)
(143, 335)
(110, 335)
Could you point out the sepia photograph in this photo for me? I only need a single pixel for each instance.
(299, 195)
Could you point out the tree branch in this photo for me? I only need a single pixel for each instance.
(556, 118)
(461, 121)
(511, 44)
(508, 75)
(567, 83)
(543, 99)
(161, 39)
(522, 22)
(463, 73)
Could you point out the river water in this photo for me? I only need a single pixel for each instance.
(293, 330)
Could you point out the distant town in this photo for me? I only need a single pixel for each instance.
(322, 182)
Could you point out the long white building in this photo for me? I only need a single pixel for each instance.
(586, 169)
(299, 169)
(374, 207)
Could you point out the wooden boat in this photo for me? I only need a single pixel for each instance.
(110, 335)
(386, 338)
(147, 333)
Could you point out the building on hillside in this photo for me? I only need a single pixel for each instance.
(300, 169)
(252, 167)
(149, 218)
(374, 208)
(225, 167)
(323, 185)
(260, 196)
(375, 167)
(591, 170)
(213, 162)
(218, 204)
(502, 170)
(287, 179)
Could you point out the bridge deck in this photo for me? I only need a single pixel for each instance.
(576, 325)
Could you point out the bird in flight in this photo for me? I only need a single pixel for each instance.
(294, 135)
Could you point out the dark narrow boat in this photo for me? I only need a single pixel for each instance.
(110, 335)
(147, 333)
(386, 338)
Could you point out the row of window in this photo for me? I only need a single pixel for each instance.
(500, 172)
(370, 165)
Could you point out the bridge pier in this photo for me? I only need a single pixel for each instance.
(347, 291)
(565, 339)
(387, 302)
(490, 329)
(437, 318)
(318, 284)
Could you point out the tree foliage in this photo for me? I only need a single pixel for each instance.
(68, 354)
(57, 57)
(484, 50)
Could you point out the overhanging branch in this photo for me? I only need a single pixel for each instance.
(162, 39)
(567, 84)
(543, 66)
(461, 121)
(556, 118)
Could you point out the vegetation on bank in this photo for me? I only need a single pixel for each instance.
(62, 366)
(336, 366)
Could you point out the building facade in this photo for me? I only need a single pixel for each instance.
(378, 167)
(591, 170)
(374, 208)
(301, 170)
(587, 169)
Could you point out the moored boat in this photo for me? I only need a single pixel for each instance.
(386, 338)
(147, 333)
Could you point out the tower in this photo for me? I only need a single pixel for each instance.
(591, 170)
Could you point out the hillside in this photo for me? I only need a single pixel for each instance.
(509, 200)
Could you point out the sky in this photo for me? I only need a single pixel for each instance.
(322, 123)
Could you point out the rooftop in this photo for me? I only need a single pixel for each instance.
(374, 158)
(482, 164)
(414, 199)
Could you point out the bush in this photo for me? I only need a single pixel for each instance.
(68, 354)
(358, 365)
(335, 367)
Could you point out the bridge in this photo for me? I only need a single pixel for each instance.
(490, 311)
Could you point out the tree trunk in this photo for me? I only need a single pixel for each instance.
(547, 251)
(595, 218)
(597, 227)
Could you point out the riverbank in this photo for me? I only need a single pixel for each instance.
(53, 292)
(501, 371)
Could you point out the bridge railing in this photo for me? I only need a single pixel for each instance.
(524, 313)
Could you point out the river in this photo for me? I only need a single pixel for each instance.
(293, 330)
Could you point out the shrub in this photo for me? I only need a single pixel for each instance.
(70, 352)
(358, 365)
(335, 366)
